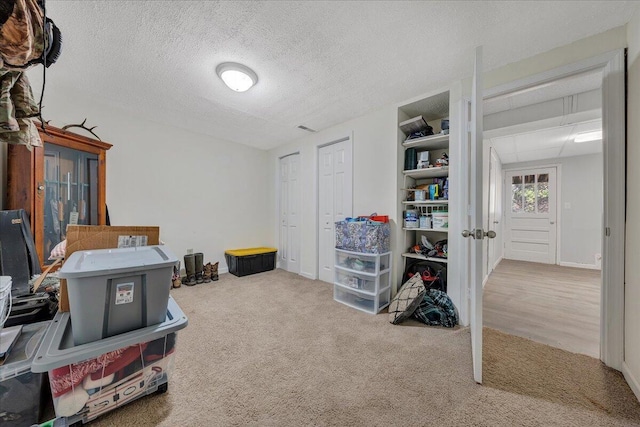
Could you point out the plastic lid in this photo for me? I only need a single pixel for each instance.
(250, 251)
(58, 348)
(94, 262)
(21, 355)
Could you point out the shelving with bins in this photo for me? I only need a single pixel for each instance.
(433, 109)
(362, 280)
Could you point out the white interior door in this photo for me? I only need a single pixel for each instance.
(531, 219)
(283, 247)
(335, 199)
(493, 222)
(475, 233)
(289, 250)
(293, 255)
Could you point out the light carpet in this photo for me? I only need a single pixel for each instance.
(274, 349)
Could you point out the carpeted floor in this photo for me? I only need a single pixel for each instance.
(274, 349)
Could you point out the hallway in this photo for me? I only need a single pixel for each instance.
(550, 304)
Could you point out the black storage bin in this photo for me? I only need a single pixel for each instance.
(242, 262)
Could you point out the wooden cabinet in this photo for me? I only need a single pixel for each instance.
(60, 183)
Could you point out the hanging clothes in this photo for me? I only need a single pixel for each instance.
(21, 34)
(17, 108)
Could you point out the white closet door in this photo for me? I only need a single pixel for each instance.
(335, 200)
(326, 237)
(293, 219)
(289, 246)
(284, 213)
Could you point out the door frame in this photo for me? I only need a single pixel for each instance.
(278, 211)
(316, 197)
(505, 201)
(613, 65)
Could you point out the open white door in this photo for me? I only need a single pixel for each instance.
(475, 233)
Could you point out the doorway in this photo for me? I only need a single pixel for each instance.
(547, 287)
(335, 199)
(289, 250)
(530, 227)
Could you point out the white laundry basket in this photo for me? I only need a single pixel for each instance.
(5, 299)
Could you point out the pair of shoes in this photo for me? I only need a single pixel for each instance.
(190, 269)
(206, 275)
(214, 271)
(176, 281)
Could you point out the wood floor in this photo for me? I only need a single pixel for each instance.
(558, 306)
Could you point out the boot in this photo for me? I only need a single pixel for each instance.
(206, 275)
(176, 281)
(199, 266)
(190, 268)
(214, 271)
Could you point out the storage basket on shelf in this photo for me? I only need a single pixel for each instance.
(242, 262)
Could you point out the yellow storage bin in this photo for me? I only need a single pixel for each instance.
(242, 262)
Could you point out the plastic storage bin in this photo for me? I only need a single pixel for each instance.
(92, 379)
(21, 391)
(361, 301)
(112, 291)
(242, 262)
(362, 280)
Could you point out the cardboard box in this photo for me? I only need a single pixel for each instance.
(85, 237)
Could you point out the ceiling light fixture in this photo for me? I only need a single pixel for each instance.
(588, 136)
(237, 76)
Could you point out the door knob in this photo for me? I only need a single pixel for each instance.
(552, 222)
(490, 234)
(474, 234)
(496, 222)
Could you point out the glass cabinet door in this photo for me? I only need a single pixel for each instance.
(71, 192)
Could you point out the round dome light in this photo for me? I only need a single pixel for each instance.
(237, 76)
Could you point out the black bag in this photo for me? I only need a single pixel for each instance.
(18, 257)
(434, 275)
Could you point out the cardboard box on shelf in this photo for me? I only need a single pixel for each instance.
(86, 237)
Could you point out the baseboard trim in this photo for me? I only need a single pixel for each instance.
(631, 380)
(578, 265)
(497, 262)
(486, 279)
(308, 275)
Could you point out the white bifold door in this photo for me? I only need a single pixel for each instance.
(335, 200)
(289, 250)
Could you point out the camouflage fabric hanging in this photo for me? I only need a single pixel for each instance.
(21, 33)
(17, 107)
(27, 38)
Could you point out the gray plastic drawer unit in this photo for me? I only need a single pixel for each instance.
(112, 291)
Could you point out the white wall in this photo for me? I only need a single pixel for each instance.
(631, 368)
(581, 183)
(374, 172)
(204, 194)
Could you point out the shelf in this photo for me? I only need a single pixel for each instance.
(431, 142)
(428, 172)
(426, 202)
(417, 256)
(439, 230)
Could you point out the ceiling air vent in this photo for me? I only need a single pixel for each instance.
(307, 129)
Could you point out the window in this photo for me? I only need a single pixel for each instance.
(530, 193)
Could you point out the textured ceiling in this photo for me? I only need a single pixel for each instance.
(319, 63)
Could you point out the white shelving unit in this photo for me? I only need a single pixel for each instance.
(362, 280)
(433, 109)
